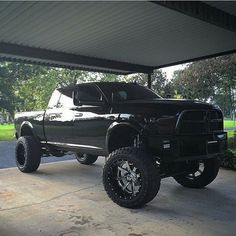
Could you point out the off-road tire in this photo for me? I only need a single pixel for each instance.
(149, 172)
(86, 159)
(28, 154)
(211, 169)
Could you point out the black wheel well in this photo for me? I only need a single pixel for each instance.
(121, 136)
(26, 131)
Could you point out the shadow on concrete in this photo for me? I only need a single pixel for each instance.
(68, 198)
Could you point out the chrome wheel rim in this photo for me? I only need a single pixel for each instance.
(128, 177)
(82, 157)
(197, 173)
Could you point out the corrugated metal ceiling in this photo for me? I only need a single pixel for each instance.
(140, 33)
(227, 6)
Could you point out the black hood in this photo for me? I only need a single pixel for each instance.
(159, 107)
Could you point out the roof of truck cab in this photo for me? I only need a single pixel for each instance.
(71, 86)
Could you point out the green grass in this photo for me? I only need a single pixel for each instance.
(229, 123)
(7, 132)
(230, 133)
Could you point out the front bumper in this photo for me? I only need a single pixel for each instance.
(187, 147)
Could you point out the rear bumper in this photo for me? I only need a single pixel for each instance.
(188, 147)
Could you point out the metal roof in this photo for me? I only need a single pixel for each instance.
(118, 37)
(227, 6)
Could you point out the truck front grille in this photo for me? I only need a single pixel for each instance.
(200, 121)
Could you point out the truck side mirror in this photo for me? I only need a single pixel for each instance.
(76, 100)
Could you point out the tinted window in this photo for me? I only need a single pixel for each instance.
(123, 92)
(87, 93)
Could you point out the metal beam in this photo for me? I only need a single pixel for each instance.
(202, 11)
(196, 59)
(149, 80)
(60, 59)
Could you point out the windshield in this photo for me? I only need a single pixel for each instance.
(127, 91)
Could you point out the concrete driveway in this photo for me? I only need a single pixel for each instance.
(66, 198)
(7, 155)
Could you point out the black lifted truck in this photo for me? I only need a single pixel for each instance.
(144, 137)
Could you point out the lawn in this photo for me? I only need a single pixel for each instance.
(7, 132)
(229, 123)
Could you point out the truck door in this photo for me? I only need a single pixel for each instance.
(59, 117)
(90, 122)
(79, 123)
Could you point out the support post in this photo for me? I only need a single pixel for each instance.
(149, 80)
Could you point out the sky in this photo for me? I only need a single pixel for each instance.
(170, 70)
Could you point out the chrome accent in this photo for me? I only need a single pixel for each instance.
(166, 146)
(198, 172)
(72, 145)
(209, 142)
(221, 136)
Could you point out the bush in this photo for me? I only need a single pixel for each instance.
(229, 161)
(230, 155)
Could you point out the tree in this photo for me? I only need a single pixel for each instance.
(159, 82)
(25, 87)
(35, 92)
(209, 80)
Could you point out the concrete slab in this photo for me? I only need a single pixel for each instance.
(7, 155)
(67, 198)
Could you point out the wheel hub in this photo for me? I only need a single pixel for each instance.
(131, 177)
(128, 178)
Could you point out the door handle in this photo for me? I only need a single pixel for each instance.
(78, 115)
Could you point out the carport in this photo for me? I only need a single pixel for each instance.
(116, 37)
(121, 38)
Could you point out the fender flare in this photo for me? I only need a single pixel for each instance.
(116, 125)
(28, 125)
